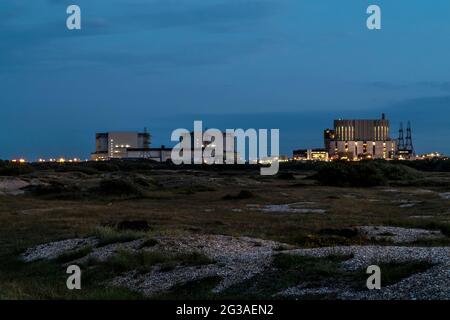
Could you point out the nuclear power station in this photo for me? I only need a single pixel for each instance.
(127, 145)
(358, 139)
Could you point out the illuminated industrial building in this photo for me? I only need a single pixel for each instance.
(430, 156)
(120, 145)
(310, 154)
(128, 145)
(360, 139)
(199, 140)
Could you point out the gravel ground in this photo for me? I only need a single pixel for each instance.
(12, 186)
(405, 203)
(156, 281)
(431, 284)
(53, 250)
(445, 195)
(398, 235)
(237, 259)
(104, 253)
(298, 207)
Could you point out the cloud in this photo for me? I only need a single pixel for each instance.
(36, 36)
(205, 15)
(441, 85)
(387, 85)
(425, 84)
(430, 106)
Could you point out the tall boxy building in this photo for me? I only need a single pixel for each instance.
(200, 140)
(120, 145)
(360, 139)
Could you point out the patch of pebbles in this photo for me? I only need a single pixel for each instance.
(53, 250)
(12, 186)
(236, 260)
(297, 207)
(406, 203)
(445, 195)
(103, 253)
(398, 235)
(431, 284)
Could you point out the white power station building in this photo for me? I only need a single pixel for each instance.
(127, 145)
(360, 139)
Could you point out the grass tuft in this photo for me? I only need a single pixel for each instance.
(144, 261)
(73, 255)
(109, 235)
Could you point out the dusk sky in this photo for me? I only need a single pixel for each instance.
(290, 64)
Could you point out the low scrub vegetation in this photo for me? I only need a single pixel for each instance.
(118, 187)
(109, 235)
(443, 227)
(363, 174)
(73, 255)
(394, 272)
(243, 194)
(56, 191)
(288, 271)
(143, 261)
(8, 168)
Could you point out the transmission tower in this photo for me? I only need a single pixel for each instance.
(409, 144)
(401, 139)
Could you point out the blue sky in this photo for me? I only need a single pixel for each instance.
(288, 64)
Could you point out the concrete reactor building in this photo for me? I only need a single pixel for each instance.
(360, 139)
(127, 145)
(199, 140)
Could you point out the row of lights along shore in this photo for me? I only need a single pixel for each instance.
(51, 160)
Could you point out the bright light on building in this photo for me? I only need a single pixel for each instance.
(21, 160)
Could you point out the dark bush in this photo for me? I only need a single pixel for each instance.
(286, 176)
(43, 190)
(118, 187)
(243, 194)
(350, 175)
(104, 166)
(8, 168)
(364, 174)
(134, 225)
(77, 168)
(435, 165)
(56, 190)
(344, 232)
(397, 172)
(149, 243)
